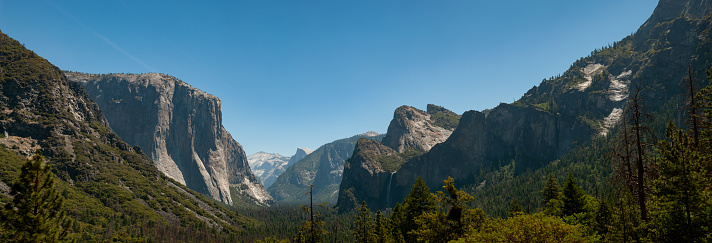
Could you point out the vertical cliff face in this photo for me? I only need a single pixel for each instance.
(586, 101)
(177, 126)
(101, 177)
(369, 173)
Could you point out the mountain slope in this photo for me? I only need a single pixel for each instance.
(179, 127)
(267, 167)
(111, 190)
(567, 111)
(323, 168)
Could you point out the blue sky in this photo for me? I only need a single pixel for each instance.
(303, 73)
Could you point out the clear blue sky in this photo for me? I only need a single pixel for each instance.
(303, 73)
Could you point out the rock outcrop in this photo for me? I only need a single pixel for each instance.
(412, 128)
(366, 172)
(586, 101)
(373, 165)
(299, 155)
(267, 167)
(179, 127)
(323, 168)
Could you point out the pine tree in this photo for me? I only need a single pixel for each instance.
(679, 190)
(515, 208)
(418, 202)
(35, 213)
(551, 189)
(603, 218)
(451, 220)
(573, 197)
(365, 230)
(382, 230)
(311, 231)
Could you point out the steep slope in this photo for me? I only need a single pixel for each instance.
(566, 111)
(112, 191)
(179, 127)
(373, 165)
(323, 168)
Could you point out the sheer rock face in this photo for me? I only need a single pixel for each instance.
(179, 127)
(364, 173)
(365, 179)
(412, 128)
(584, 102)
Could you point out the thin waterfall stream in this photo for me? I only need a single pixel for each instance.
(388, 192)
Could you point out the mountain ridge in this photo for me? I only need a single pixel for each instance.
(563, 112)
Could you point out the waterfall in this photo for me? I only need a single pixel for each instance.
(388, 192)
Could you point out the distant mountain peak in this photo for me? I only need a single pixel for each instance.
(370, 134)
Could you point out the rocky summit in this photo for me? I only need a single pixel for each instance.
(179, 127)
(267, 167)
(412, 128)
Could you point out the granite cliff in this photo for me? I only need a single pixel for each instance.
(323, 168)
(412, 128)
(179, 127)
(585, 102)
(373, 164)
(101, 177)
(267, 167)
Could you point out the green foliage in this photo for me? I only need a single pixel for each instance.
(527, 228)
(383, 229)
(603, 218)
(394, 162)
(681, 203)
(445, 120)
(35, 213)
(272, 239)
(551, 189)
(515, 208)
(573, 197)
(365, 230)
(452, 218)
(418, 202)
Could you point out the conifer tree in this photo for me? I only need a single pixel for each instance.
(451, 220)
(418, 202)
(573, 197)
(603, 218)
(515, 208)
(678, 192)
(551, 189)
(311, 231)
(382, 230)
(35, 213)
(365, 230)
